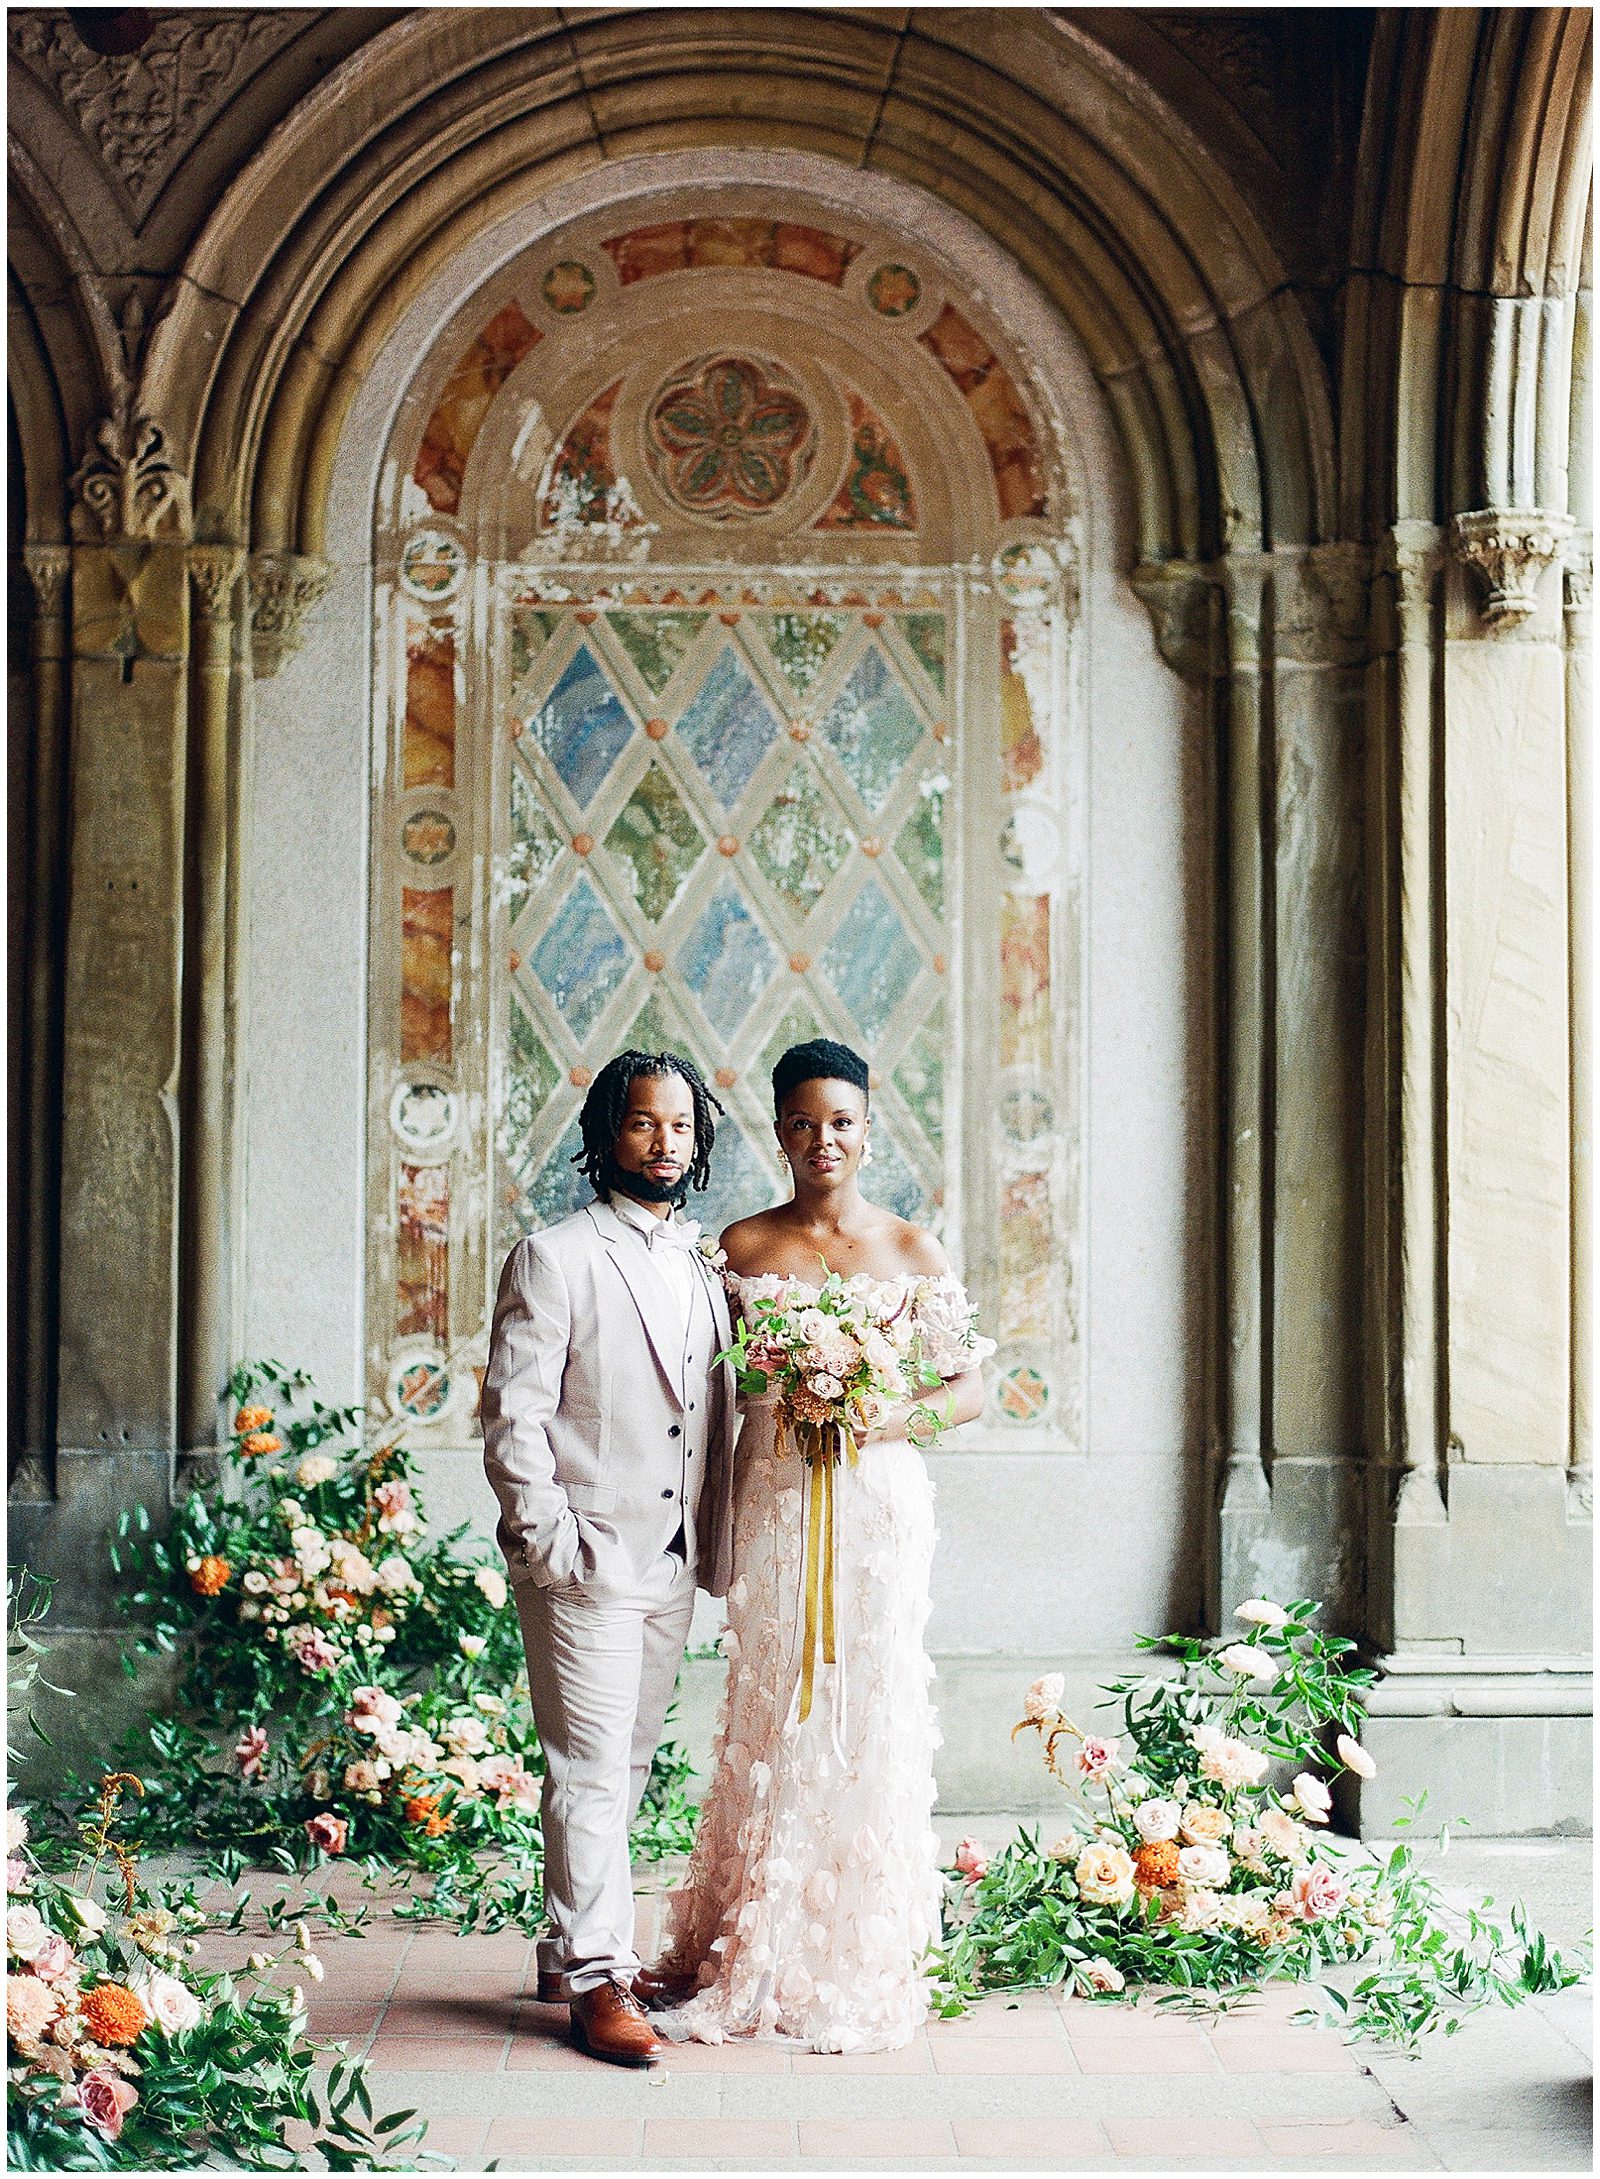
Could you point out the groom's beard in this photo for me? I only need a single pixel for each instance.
(643, 1189)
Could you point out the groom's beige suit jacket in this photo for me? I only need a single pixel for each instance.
(600, 1435)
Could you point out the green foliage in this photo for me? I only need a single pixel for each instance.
(1185, 1865)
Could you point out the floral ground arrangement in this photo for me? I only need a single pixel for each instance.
(1196, 1855)
(349, 1686)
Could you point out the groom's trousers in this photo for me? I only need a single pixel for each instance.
(601, 1671)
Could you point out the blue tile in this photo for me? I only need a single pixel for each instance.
(728, 729)
(872, 727)
(560, 1187)
(741, 1182)
(726, 962)
(583, 727)
(581, 959)
(869, 960)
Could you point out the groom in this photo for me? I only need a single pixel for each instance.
(608, 1438)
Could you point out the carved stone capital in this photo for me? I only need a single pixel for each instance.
(1577, 571)
(127, 484)
(284, 586)
(49, 570)
(1333, 598)
(1178, 595)
(1509, 552)
(214, 569)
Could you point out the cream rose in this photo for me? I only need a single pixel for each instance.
(1043, 1698)
(1201, 1910)
(1203, 1825)
(1207, 1866)
(1098, 1758)
(314, 1469)
(1156, 1819)
(1095, 1976)
(491, 1585)
(1312, 1798)
(1354, 1757)
(27, 1932)
(1104, 1875)
(171, 2004)
(1317, 1894)
(1247, 1660)
(1260, 1611)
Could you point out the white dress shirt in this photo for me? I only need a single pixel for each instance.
(670, 1256)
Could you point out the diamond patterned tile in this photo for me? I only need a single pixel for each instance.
(741, 1181)
(726, 961)
(873, 728)
(654, 1030)
(657, 643)
(801, 643)
(728, 728)
(800, 842)
(798, 1026)
(532, 626)
(560, 1187)
(890, 1180)
(870, 961)
(920, 1076)
(920, 841)
(583, 726)
(581, 958)
(530, 1077)
(536, 845)
(657, 842)
(924, 632)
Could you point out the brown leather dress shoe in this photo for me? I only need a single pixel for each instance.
(660, 1988)
(608, 2022)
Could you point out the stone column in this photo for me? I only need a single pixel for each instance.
(204, 1358)
(116, 1418)
(49, 573)
(1486, 1611)
(1580, 881)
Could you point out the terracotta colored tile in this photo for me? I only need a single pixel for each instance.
(453, 2017)
(438, 2054)
(1052, 2138)
(1175, 2137)
(588, 2137)
(1313, 2138)
(988, 2024)
(1001, 2054)
(725, 2057)
(910, 2058)
(1144, 2054)
(705, 2137)
(476, 1953)
(843, 2140)
(1269, 2050)
(354, 2020)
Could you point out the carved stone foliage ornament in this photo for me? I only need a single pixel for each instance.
(127, 484)
(1178, 597)
(214, 569)
(48, 568)
(729, 437)
(142, 110)
(284, 586)
(1509, 551)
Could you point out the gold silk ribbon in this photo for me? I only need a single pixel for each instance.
(823, 1451)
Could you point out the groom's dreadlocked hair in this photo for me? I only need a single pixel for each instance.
(601, 1118)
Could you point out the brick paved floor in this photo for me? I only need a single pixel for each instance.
(451, 2027)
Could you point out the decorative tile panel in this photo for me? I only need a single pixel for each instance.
(802, 643)
(1024, 981)
(678, 245)
(581, 484)
(730, 437)
(427, 934)
(801, 841)
(656, 643)
(997, 409)
(920, 841)
(1026, 1260)
(536, 846)
(728, 728)
(1021, 751)
(463, 404)
(925, 633)
(583, 726)
(876, 492)
(428, 734)
(657, 843)
(422, 1256)
(870, 961)
(920, 1076)
(581, 958)
(531, 1075)
(727, 961)
(873, 727)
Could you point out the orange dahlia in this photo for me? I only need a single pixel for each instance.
(1156, 1864)
(420, 1806)
(251, 1418)
(210, 1576)
(260, 1442)
(112, 2013)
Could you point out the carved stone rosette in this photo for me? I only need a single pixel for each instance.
(1509, 551)
(284, 586)
(127, 484)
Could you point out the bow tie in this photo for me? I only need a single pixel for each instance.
(673, 1233)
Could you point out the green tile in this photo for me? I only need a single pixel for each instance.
(657, 842)
(657, 643)
(800, 842)
(920, 1076)
(531, 1075)
(536, 845)
(798, 1026)
(925, 634)
(802, 643)
(532, 626)
(920, 842)
(654, 1030)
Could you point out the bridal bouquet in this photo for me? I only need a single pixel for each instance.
(833, 1362)
(1196, 1851)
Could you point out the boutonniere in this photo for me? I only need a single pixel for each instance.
(716, 1257)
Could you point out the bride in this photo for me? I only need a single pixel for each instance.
(813, 1892)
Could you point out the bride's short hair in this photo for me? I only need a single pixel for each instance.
(818, 1060)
